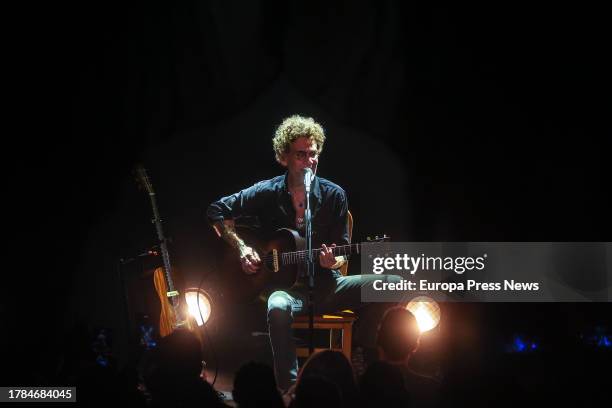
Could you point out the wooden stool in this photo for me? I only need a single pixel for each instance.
(343, 323)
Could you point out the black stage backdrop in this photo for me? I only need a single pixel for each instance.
(445, 122)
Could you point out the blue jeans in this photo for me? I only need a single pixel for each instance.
(331, 294)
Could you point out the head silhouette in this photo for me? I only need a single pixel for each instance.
(398, 335)
(255, 386)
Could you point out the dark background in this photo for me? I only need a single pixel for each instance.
(445, 122)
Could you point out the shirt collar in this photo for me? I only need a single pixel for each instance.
(315, 188)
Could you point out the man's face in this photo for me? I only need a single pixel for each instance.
(302, 154)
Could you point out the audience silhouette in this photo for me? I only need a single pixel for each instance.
(255, 386)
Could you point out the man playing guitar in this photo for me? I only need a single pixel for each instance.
(280, 203)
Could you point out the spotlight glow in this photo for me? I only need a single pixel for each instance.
(426, 311)
(200, 310)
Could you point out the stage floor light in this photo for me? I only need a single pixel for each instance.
(426, 311)
(199, 305)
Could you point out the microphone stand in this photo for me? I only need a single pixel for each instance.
(309, 268)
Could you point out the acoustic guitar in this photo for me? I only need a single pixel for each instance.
(173, 313)
(283, 256)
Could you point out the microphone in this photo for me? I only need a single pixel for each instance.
(308, 177)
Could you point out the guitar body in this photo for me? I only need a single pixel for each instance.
(167, 317)
(245, 287)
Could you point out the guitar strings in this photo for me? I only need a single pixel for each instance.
(301, 255)
(294, 256)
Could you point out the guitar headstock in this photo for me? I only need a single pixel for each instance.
(143, 178)
(379, 238)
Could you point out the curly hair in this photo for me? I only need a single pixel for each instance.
(294, 127)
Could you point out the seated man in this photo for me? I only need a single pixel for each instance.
(280, 203)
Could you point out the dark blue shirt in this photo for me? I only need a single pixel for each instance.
(267, 206)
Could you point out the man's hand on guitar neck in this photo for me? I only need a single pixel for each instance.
(327, 259)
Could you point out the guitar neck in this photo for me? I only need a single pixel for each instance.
(295, 257)
(164, 252)
(162, 239)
